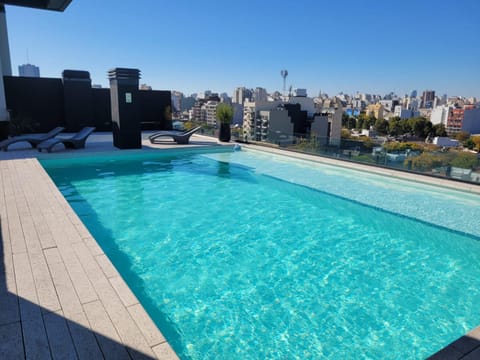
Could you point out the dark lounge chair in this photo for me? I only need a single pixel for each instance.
(180, 137)
(33, 139)
(76, 141)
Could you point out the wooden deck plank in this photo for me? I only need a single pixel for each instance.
(83, 337)
(123, 291)
(106, 334)
(69, 300)
(106, 265)
(83, 287)
(60, 341)
(146, 325)
(11, 344)
(47, 295)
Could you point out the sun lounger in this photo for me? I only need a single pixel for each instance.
(180, 137)
(33, 139)
(76, 141)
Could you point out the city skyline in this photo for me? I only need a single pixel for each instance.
(369, 47)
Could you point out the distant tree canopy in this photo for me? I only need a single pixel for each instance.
(345, 118)
(396, 126)
(381, 125)
(430, 160)
(439, 130)
(345, 134)
(476, 141)
(365, 121)
(349, 122)
(464, 160)
(418, 126)
(462, 136)
(469, 144)
(402, 146)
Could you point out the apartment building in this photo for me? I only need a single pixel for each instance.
(203, 112)
(389, 105)
(428, 99)
(209, 112)
(376, 110)
(454, 121)
(29, 70)
(463, 119)
(275, 125)
(251, 117)
(260, 95)
(403, 113)
(241, 94)
(279, 122)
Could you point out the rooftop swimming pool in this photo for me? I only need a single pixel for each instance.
(252, 255)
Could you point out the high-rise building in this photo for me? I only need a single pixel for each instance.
(177, 97)
(253, 125)
(29, 70)
(241, 94)
(204, 109)
(444, 99)
(300, 92)
(428, 99)
(260, 95)
(209, 112)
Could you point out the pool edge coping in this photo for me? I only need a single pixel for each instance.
(425, 179)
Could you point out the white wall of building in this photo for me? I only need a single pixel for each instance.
(439, 115)
(387, 104)
(241, 94)
(307, 104)
(397, 111)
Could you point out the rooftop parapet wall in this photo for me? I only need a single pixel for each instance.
(40, 104)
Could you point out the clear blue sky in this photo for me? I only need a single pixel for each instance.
(191, 46)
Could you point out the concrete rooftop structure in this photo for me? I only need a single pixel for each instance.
(57, 5)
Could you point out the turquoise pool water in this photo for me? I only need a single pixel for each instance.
(233, 259)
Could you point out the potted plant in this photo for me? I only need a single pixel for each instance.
(224, 116)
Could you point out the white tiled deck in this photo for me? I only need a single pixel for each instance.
(60, 296)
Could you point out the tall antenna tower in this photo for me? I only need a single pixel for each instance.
(284, 74)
